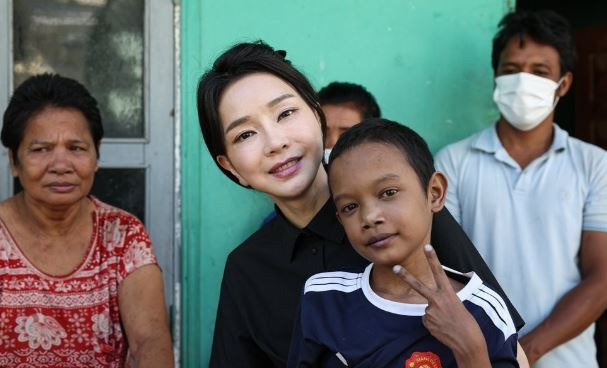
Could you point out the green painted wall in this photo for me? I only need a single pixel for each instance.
(426, 61)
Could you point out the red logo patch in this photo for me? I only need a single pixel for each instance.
(423, 360)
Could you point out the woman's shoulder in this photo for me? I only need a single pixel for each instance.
(107, 212)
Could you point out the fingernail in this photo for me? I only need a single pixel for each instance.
(428, 247)
(397, 268)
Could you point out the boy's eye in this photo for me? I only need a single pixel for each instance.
(348, 208)
(286, 113)
(243, 136)
(389, 192)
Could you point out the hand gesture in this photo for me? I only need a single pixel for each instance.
(446, 318)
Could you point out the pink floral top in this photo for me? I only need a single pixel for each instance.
(73, 320)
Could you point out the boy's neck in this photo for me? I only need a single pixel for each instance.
(301, 210)
(385, 283)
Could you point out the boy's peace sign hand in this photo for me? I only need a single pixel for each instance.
(446, 317)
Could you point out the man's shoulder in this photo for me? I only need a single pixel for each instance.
(461, 148)
(587, 151)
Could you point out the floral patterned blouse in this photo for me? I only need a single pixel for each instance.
(73, 320)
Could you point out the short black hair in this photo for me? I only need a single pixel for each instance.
(377, 130)
(238, 61)
(338, 93)
(47, 90)
(543, 26)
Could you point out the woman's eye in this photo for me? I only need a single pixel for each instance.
(243, 136)
(389, 192)
(348, 208)
(286, 113)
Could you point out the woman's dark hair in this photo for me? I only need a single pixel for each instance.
(338, 93)
(544, 26)
(238, 61)
(388, 132)
(47, 90)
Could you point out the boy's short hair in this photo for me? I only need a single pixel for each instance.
(337, 93)
(545, 27)
(235, 63)
(377, 130)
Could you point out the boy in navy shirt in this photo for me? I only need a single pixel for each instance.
(404, 309)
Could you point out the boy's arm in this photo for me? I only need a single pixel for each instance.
(303, 352)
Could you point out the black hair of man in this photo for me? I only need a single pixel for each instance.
(544, 27)
(339, 93)
(47, 90)
(235, 63)
(377, 130)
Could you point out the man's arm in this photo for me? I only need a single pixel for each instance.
(143, 314)
(580, 307)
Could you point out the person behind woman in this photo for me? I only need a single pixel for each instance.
(79, 283)
(263, 124)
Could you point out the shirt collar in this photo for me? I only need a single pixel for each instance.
(489, 142)
(324, 225)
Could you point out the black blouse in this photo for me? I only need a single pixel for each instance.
(264, 277)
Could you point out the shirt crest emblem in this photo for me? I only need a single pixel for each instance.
(423, 360)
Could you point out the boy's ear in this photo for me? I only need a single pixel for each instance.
(437, 191)
(224, 162)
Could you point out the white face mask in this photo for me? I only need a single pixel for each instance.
(327, 153)
(524, 99)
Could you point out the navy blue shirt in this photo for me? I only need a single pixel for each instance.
(264, 276)
(344, 323)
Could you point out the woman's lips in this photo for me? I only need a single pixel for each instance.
(286, 168)
(61, 187)
(380, 240)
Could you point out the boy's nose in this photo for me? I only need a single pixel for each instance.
(371, 217)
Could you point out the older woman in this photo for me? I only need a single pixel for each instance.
(79, 283)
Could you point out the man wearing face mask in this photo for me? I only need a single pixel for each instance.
(533, 199)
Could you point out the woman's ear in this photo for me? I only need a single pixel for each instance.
(13, 163)
(437, 191)
(225, 163)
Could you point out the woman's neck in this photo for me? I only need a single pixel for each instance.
(53, 221)
(302, 209)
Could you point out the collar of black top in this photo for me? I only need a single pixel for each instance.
(324, 225)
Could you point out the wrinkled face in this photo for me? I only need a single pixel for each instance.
(273, 138)
(533, 58)
(340, 118)
(56, 160)
(380, 202)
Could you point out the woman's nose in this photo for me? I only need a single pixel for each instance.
(61, 162)
(277, 140)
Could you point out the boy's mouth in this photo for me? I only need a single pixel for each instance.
(379, 240)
